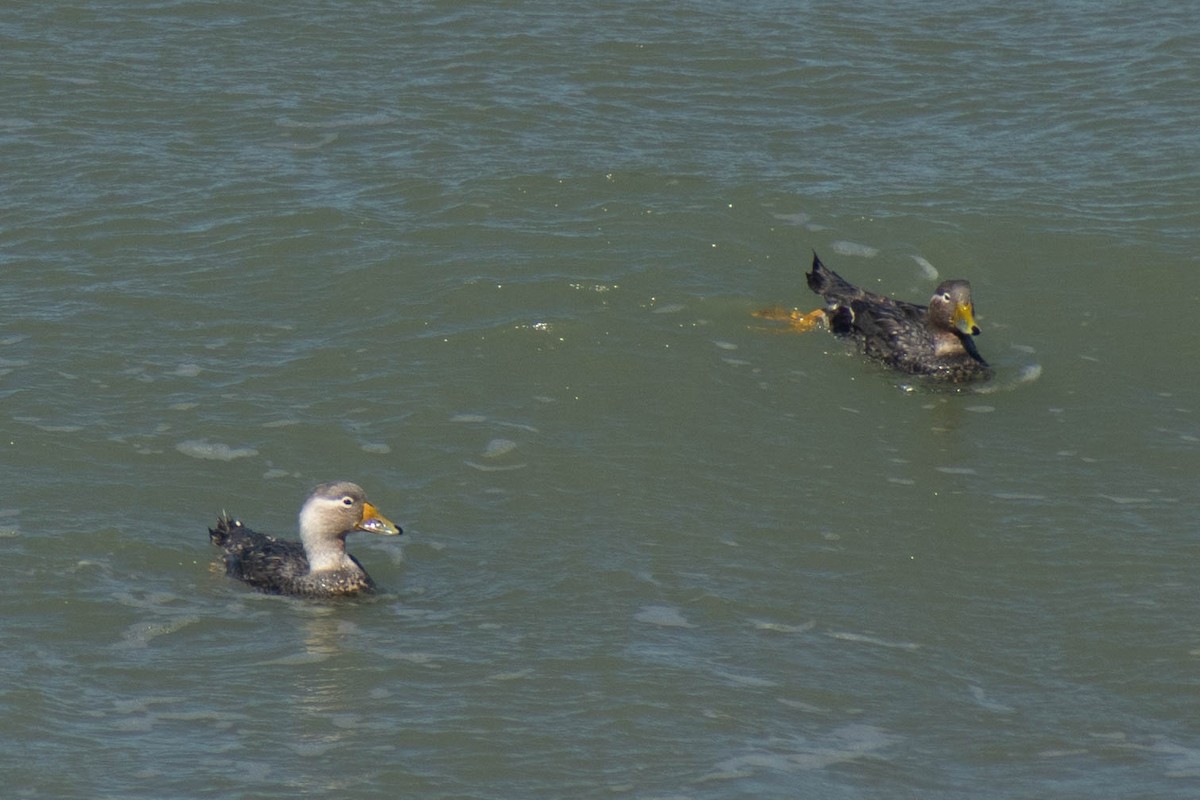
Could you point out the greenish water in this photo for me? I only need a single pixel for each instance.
(497, 265)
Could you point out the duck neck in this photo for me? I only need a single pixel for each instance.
(325, 551)
(325, 554)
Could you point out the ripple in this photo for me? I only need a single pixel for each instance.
(847, 743)
(199, 448)
(859, 637)
(844, 248)
(499, 447)
(663, 616)
(929, 269)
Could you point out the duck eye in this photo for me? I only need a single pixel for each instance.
(946, 297)
(347, 500)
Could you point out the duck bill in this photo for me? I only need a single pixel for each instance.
(964, 319)
(374, 522)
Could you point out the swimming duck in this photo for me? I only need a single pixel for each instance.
(316, 566)
(934, 341)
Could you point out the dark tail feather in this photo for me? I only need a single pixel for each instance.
(227, 528)
(826, 282)
(818, 279)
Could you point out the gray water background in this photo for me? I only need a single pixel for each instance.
(497, 263)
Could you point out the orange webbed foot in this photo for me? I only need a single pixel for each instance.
(797, 322)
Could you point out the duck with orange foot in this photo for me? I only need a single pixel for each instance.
(934, 341)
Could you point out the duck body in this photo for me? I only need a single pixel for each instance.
(316, 566)
(935, 341)
(278, 566)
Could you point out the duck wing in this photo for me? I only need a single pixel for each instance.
(894, 331)
(269, 564)
(855, 311)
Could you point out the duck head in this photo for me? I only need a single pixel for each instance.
(335, 509)
(951, 308)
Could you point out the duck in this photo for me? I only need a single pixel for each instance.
(934, 341)
(317, 565)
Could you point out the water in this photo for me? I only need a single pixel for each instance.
(497, 265)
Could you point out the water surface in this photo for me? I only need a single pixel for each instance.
(497, 265)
